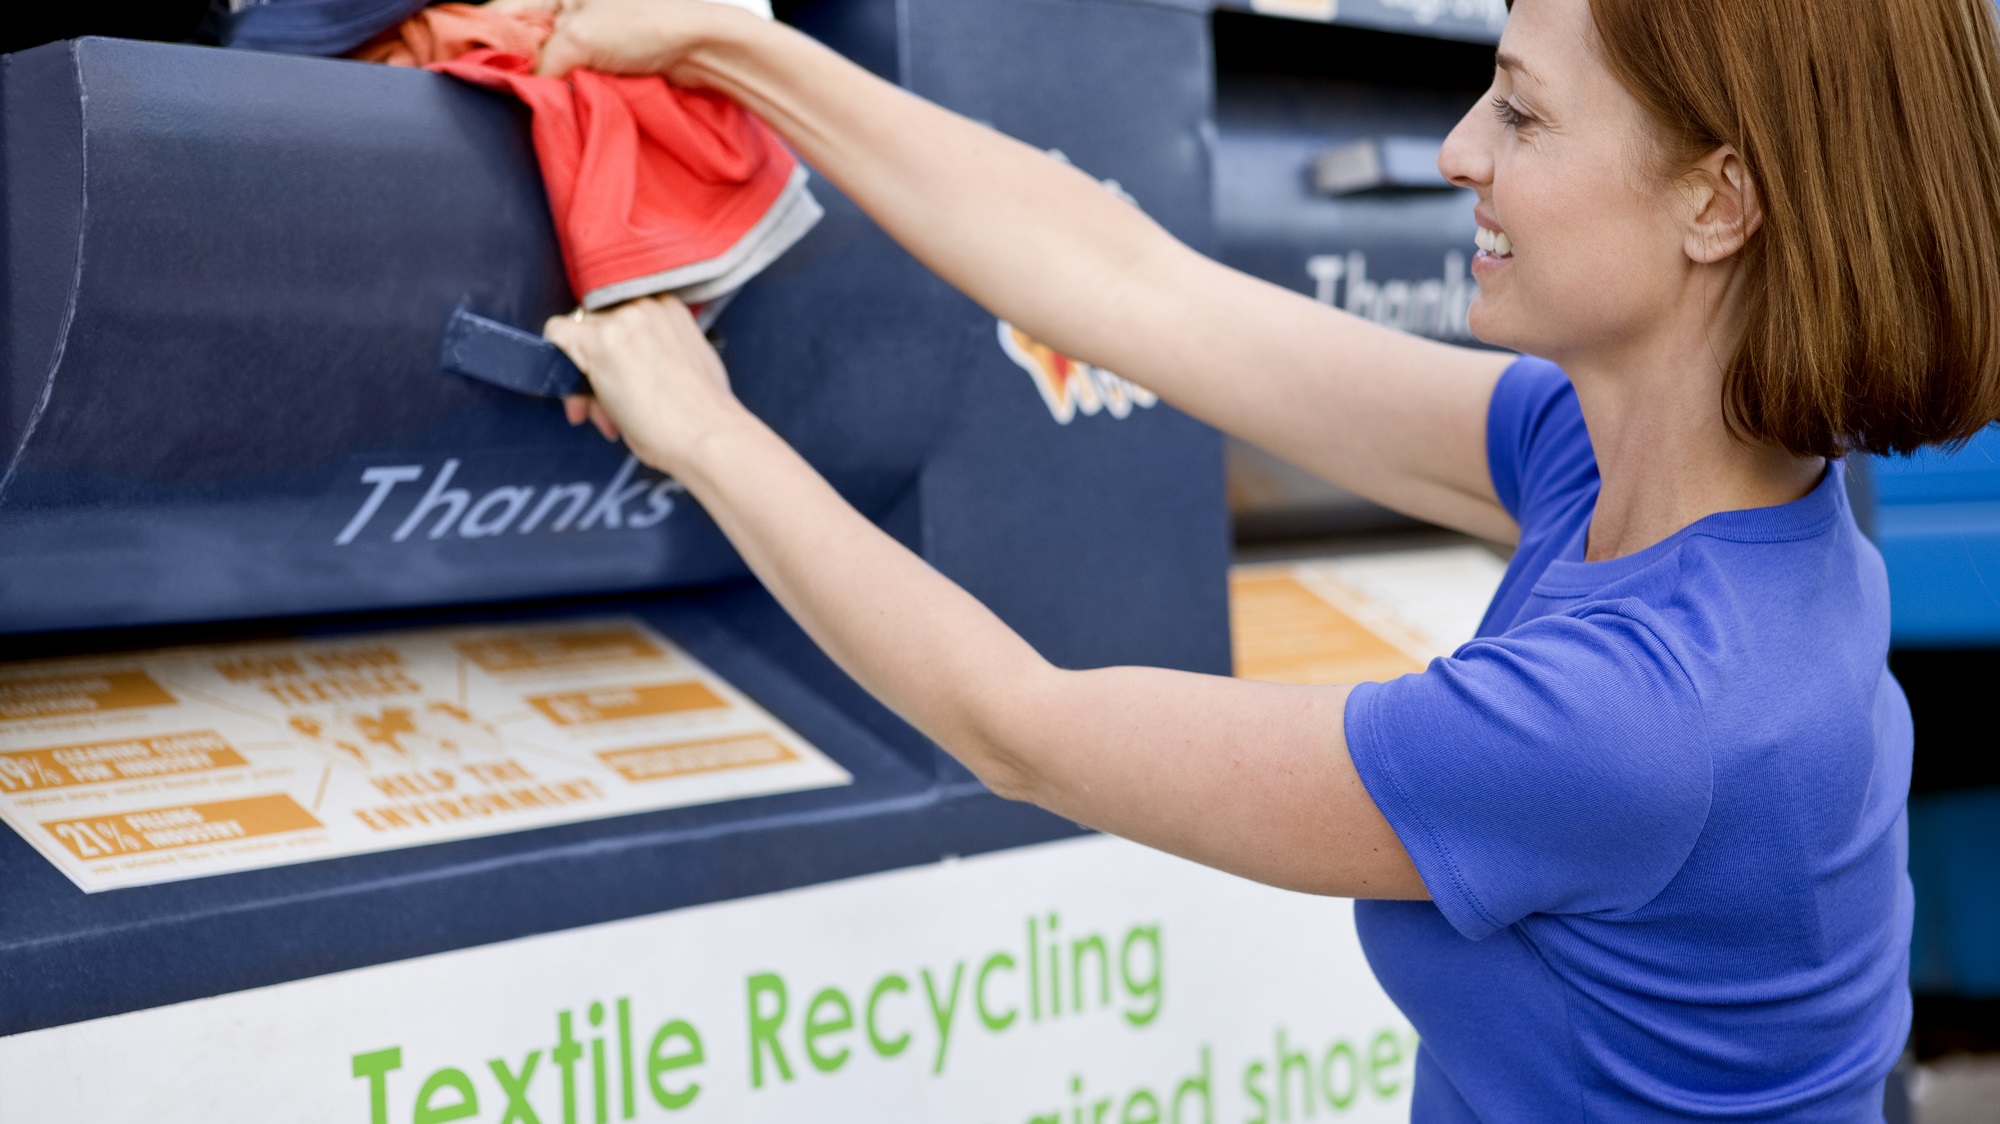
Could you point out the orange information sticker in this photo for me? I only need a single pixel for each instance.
(1357, 618)
(25, 770)
(709, 755)
(1286, 633)
(649, 700)
(530, 651)
(160, 829)
(56, 696)
(207, 759)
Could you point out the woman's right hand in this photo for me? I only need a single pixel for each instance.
(636, 36)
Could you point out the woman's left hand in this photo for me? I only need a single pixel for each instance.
(654, 378)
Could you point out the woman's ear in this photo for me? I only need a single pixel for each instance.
(1723, 207)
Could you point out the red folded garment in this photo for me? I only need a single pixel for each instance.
(446, 31)
(644, 178)
(654, 188)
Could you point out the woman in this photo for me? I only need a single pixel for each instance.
(1637, 852)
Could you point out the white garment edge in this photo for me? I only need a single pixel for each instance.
(791, 217)
(786, 221)
(800, 217)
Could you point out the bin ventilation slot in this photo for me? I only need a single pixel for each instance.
(1378, 164)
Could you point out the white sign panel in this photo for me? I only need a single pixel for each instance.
(1085, 982)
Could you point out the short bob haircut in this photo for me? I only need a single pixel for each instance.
(1872, 131)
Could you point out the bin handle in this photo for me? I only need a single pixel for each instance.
(505, 356)
(1395, 165)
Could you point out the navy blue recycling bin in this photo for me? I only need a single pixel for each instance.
(236, 402)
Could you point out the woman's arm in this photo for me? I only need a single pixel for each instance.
(1252, 778)
(1395, 418)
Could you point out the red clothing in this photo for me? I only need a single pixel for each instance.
(446, 31)
(643, 178)
(654, 188)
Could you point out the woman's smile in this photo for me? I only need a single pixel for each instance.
(1495, 249)
(1494, 242)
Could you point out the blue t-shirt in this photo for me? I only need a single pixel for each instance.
(1659, 807)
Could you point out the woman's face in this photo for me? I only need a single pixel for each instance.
(1580, 249)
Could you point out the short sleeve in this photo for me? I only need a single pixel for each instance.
(1561, 768)
(1537, 447)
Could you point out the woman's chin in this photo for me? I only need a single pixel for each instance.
(1491, 326)
(1502, 324)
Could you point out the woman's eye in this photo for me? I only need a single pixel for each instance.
(1509, 116)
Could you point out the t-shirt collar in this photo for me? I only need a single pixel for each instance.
(1812, 514)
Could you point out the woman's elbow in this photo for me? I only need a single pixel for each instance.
(1003, 742)
(1004, 771)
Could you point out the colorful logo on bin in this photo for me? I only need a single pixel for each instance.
(1070, 387)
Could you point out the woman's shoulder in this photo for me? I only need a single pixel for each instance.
(1563, 766)
(1787, 589)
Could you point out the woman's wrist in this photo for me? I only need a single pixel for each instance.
(725, 51)
(728, 436)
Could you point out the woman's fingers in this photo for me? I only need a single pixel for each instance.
(580, 408)
(655, 381)
(621, 36)
(573, 336)
(566, 333)
(563, 52)
(576, 336)
(603, 420)
(578, 43)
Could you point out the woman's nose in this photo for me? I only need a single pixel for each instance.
(1467, 156)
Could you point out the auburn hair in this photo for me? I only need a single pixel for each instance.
(1872, 131)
